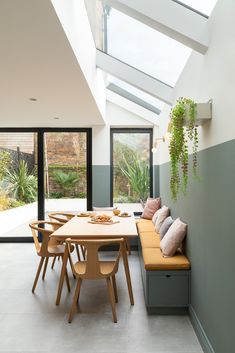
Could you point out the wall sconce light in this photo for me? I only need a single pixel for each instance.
(165, 138)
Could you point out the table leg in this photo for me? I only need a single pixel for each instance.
(62, 275)
(127, 271)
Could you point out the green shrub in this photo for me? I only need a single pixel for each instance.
(16, 203)
(65, 180)
(137, 173)
(23, 184)
(55, 195)
(4, 200)
(5, 161)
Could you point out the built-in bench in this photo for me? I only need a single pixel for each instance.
(166, 280)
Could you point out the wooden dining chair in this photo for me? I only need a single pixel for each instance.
(47, 248)
(64, 217)
(94, 269)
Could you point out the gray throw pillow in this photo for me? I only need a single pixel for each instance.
(165, 226)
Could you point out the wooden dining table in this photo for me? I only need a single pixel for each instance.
(81, 228)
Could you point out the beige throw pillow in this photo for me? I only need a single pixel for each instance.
(151, 206)
(155, 216)
(173, 238)
(164, 212)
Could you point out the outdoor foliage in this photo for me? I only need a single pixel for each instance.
(4, 200)
(5, 161)
(65, 180)
(23, 185)
(137, 173)
(183, 130)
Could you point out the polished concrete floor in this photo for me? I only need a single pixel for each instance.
(33, 323)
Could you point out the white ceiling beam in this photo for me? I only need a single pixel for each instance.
(170, 18)
(134, 77)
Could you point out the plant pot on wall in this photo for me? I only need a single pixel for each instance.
(186, 116)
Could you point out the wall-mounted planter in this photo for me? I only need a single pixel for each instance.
(203, 113)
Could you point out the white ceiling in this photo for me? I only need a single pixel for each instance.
(36, 60)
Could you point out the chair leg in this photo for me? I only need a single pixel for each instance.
(67, 280)
(83, 252)
(128, 246)
(53, 262)
(78, 253)
(38, 273)
(71, 265)
(115, 288)
(75, 299)
(45, 268)
(111, 298)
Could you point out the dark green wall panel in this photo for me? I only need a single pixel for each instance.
(101, 185)
(156, 180)
(209, 211)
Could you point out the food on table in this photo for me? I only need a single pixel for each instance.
(124, 214)
(116, 212)
(102, 218)
(86, 214)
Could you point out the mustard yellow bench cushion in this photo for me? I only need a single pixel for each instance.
(142, 220)
(149, 240)
(153, 260)
(146, 227)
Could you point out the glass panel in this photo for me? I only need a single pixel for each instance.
(65, 171)
(144, 48)
(136, 92)
(205, 7)
(131, 169)
(18, 183)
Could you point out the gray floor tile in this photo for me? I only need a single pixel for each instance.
(24, 317)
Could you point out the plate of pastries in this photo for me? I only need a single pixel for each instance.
(102, 219)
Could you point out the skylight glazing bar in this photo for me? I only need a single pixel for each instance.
(191, 8)
(125, 94)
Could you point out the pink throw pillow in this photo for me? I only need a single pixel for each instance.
(173, 238)
(151, 206)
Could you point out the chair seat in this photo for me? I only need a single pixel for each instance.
(58, 249)
(106, 267)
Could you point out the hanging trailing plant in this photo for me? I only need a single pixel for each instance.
(183, 130)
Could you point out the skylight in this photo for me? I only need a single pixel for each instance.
(203, 6)
(144, 48)
(143, 99)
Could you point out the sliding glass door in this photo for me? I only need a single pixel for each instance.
(42, 170)
(65, 171)
(131, 168)
(18, 183)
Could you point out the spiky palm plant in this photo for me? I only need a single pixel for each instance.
(65, 180)
(23, 185)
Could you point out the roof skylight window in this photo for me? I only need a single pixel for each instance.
(128, 91)
(144, 48)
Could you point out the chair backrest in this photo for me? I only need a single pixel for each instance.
(46, 228)
(62, 217)
(92, 268)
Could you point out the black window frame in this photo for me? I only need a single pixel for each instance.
(40, 152)
(131, 130)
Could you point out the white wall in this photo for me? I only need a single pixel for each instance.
(73, 17)
(115, 117)
(211, 76)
